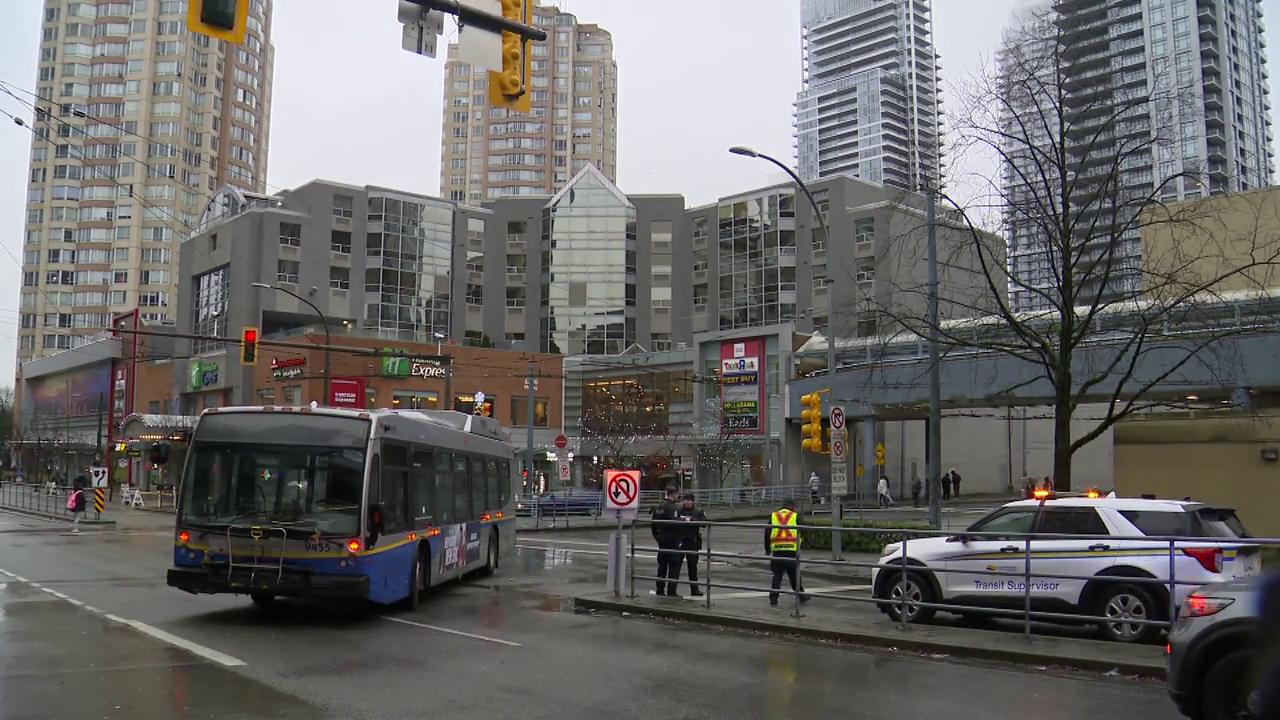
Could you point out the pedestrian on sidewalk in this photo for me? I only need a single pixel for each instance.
(882, 491)
(782, 544)
(815, 488)
(690, 540)
(667, 535)
(916, 487)
(76, 503)
(946, 486)
(955, 483)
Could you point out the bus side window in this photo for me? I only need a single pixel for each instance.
(504, 487)
(444, 488)
(492, 481)
(424, 488)
(478, 506)
(395, 482)
(461, 490)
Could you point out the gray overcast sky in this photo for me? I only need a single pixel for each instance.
(695, 76)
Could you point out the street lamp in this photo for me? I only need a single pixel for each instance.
(439, 339)
(324, 320)
(836, 517)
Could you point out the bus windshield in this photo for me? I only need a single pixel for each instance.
(315, 487)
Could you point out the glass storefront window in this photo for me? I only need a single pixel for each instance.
(414, 400)
(520, 412)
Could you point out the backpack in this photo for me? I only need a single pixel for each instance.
(74, 500)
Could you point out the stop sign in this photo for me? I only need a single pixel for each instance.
(562, 441)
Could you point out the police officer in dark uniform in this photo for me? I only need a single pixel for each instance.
(667, 535)
(691, 539)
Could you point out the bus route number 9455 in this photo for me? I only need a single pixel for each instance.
(319, 546)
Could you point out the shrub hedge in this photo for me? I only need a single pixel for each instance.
(867, 542)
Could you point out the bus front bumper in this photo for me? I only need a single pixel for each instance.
(290, 583)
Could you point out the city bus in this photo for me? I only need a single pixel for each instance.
(317, 502)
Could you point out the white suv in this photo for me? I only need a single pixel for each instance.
(936, 566)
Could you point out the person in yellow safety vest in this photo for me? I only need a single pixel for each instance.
(782, 544)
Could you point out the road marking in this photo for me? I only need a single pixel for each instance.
(563, 542)
(755, 594)
(205, 652)
(450, 631)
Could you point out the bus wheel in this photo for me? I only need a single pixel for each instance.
(491, 563)
(417, 573)
(262, 599)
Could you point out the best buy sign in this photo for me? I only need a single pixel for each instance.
(408, 366)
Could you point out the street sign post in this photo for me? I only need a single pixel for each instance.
(839, 479)
(622, 496)
(562, 442)
(837, 418)
(622, 489)
(422, 28)
(566, 471)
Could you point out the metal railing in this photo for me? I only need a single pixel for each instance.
(911, 590)
(48, 498)
(552, 510)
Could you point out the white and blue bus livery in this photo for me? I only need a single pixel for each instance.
(337, 503)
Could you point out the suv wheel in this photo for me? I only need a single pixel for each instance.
(1227, 692)
(1120, 603)
(915, 589)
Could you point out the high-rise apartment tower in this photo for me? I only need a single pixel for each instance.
(869, 104)
(487, 152)
(136, 123)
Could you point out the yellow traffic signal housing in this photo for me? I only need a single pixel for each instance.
(222, 19)
(249, 346)
(509, 88)
(811, 417)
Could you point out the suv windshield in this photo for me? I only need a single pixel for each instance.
(318, 487)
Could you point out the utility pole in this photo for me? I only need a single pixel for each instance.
(935, 370)
(531, 384)
(98, 446)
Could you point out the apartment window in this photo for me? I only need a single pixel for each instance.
(291, 234)
(864, 230)
(340, 278)
(287, 271)
(342, 206)
(520, 412)
(340, 242)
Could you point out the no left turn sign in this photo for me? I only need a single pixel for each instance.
(622, 489)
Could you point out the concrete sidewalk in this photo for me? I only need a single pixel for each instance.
(830, 621)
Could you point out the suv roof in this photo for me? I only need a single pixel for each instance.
(1116, 503)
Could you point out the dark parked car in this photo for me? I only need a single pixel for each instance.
(574, 501)
(1214, 650)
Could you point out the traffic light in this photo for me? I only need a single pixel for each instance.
(249, 347)
(509, 88)
(222, 19)
(159, 454)
(811, 416)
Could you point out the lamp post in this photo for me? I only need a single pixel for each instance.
(836, 516)
(323, 319)
(439, 339)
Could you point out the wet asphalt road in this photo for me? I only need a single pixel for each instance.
(505, 647)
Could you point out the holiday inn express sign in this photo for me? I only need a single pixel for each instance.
(396, 364)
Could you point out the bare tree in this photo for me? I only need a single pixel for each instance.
(721, 447)
(1101, 286)
(614, 421)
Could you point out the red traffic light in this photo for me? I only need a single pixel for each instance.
(251, 336)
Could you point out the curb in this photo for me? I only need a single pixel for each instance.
(891, 639)
(54, 516)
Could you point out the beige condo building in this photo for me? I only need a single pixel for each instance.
(136, 123)
(487, 152)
